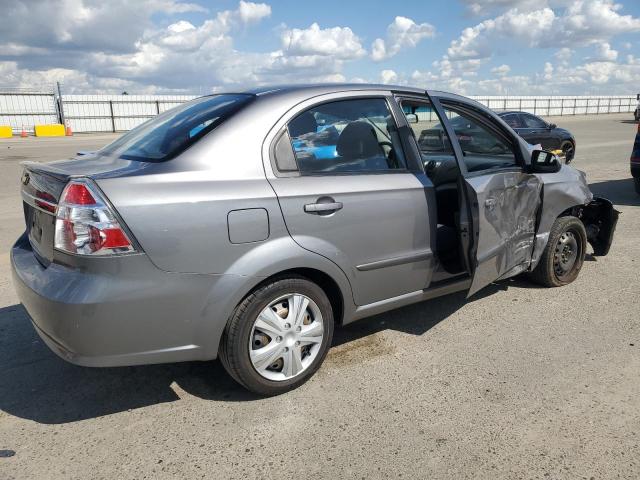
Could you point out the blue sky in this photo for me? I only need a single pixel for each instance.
(466, 46)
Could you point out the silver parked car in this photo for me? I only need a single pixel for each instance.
(246, 226)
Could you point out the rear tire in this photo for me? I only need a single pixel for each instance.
(266, 346)
(563, 256)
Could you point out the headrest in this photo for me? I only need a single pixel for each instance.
(303, 124)
(358, 140)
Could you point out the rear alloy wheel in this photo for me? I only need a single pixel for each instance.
(568, 151)
(563, 256)
(278, 336)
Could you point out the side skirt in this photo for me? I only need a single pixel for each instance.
(438, 290)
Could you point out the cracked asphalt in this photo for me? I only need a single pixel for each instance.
(518, 382)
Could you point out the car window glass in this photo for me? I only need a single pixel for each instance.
(482, 148)
(533, 122)
(357, 135)
(512, 119)
(168, 134)
(432, 140)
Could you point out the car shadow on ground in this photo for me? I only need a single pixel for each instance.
(620, 192)
(37, 385)
(629, 121)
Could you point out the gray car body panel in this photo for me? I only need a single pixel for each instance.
(172, 302)
(561, 191)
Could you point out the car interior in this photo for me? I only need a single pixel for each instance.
(347, 136)
(483, 150)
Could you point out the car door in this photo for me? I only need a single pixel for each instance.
(347, 193)
(537, 131)
(503, 200)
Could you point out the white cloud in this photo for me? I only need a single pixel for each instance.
(501, 71)
(401, 33)
(388, 76)
(188, 56)
(582, 22)
(476, 7)
(250, 12)
(605, 53)
(564, 54)
(339, 42)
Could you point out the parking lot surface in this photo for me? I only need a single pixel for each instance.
(517, 382)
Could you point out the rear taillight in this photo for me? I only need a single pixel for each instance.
(86, 225)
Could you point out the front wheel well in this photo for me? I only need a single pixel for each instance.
(599, 219)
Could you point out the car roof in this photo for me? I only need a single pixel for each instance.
(514, 111)
(330, 87)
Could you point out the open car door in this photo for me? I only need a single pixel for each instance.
(498, 221)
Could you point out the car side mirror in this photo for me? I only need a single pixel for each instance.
(552, 126)
(544, 162)
(412, 118)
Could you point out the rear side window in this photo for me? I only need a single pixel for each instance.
(170, 133)
(513, 120)
(358, 135)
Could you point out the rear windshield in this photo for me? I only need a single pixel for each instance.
(165, 136)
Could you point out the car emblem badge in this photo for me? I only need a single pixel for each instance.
(25, 178)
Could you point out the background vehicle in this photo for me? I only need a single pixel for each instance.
(536, 131)
(635, 162)
(219, 228)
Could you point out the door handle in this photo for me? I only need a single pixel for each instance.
(322, 207)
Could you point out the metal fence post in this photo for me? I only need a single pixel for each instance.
(60, 106)
(157, 107)
(113, 120)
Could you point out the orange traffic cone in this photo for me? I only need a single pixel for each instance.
(68, 132)
(23, 133)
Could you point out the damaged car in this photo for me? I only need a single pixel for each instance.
(247, 226)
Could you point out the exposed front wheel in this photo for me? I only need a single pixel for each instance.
(568, 151)
(278, 336)
(563, 256)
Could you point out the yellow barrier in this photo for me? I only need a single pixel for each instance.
(5, 132)
(56, 130)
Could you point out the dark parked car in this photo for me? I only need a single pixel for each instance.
(536, 131)
(635, 162)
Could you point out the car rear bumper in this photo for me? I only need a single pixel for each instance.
(125, 311)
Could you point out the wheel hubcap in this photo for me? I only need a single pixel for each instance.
(566, 254)
(286, 337)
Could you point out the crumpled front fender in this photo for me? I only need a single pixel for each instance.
(561, 191)
(600, 219)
